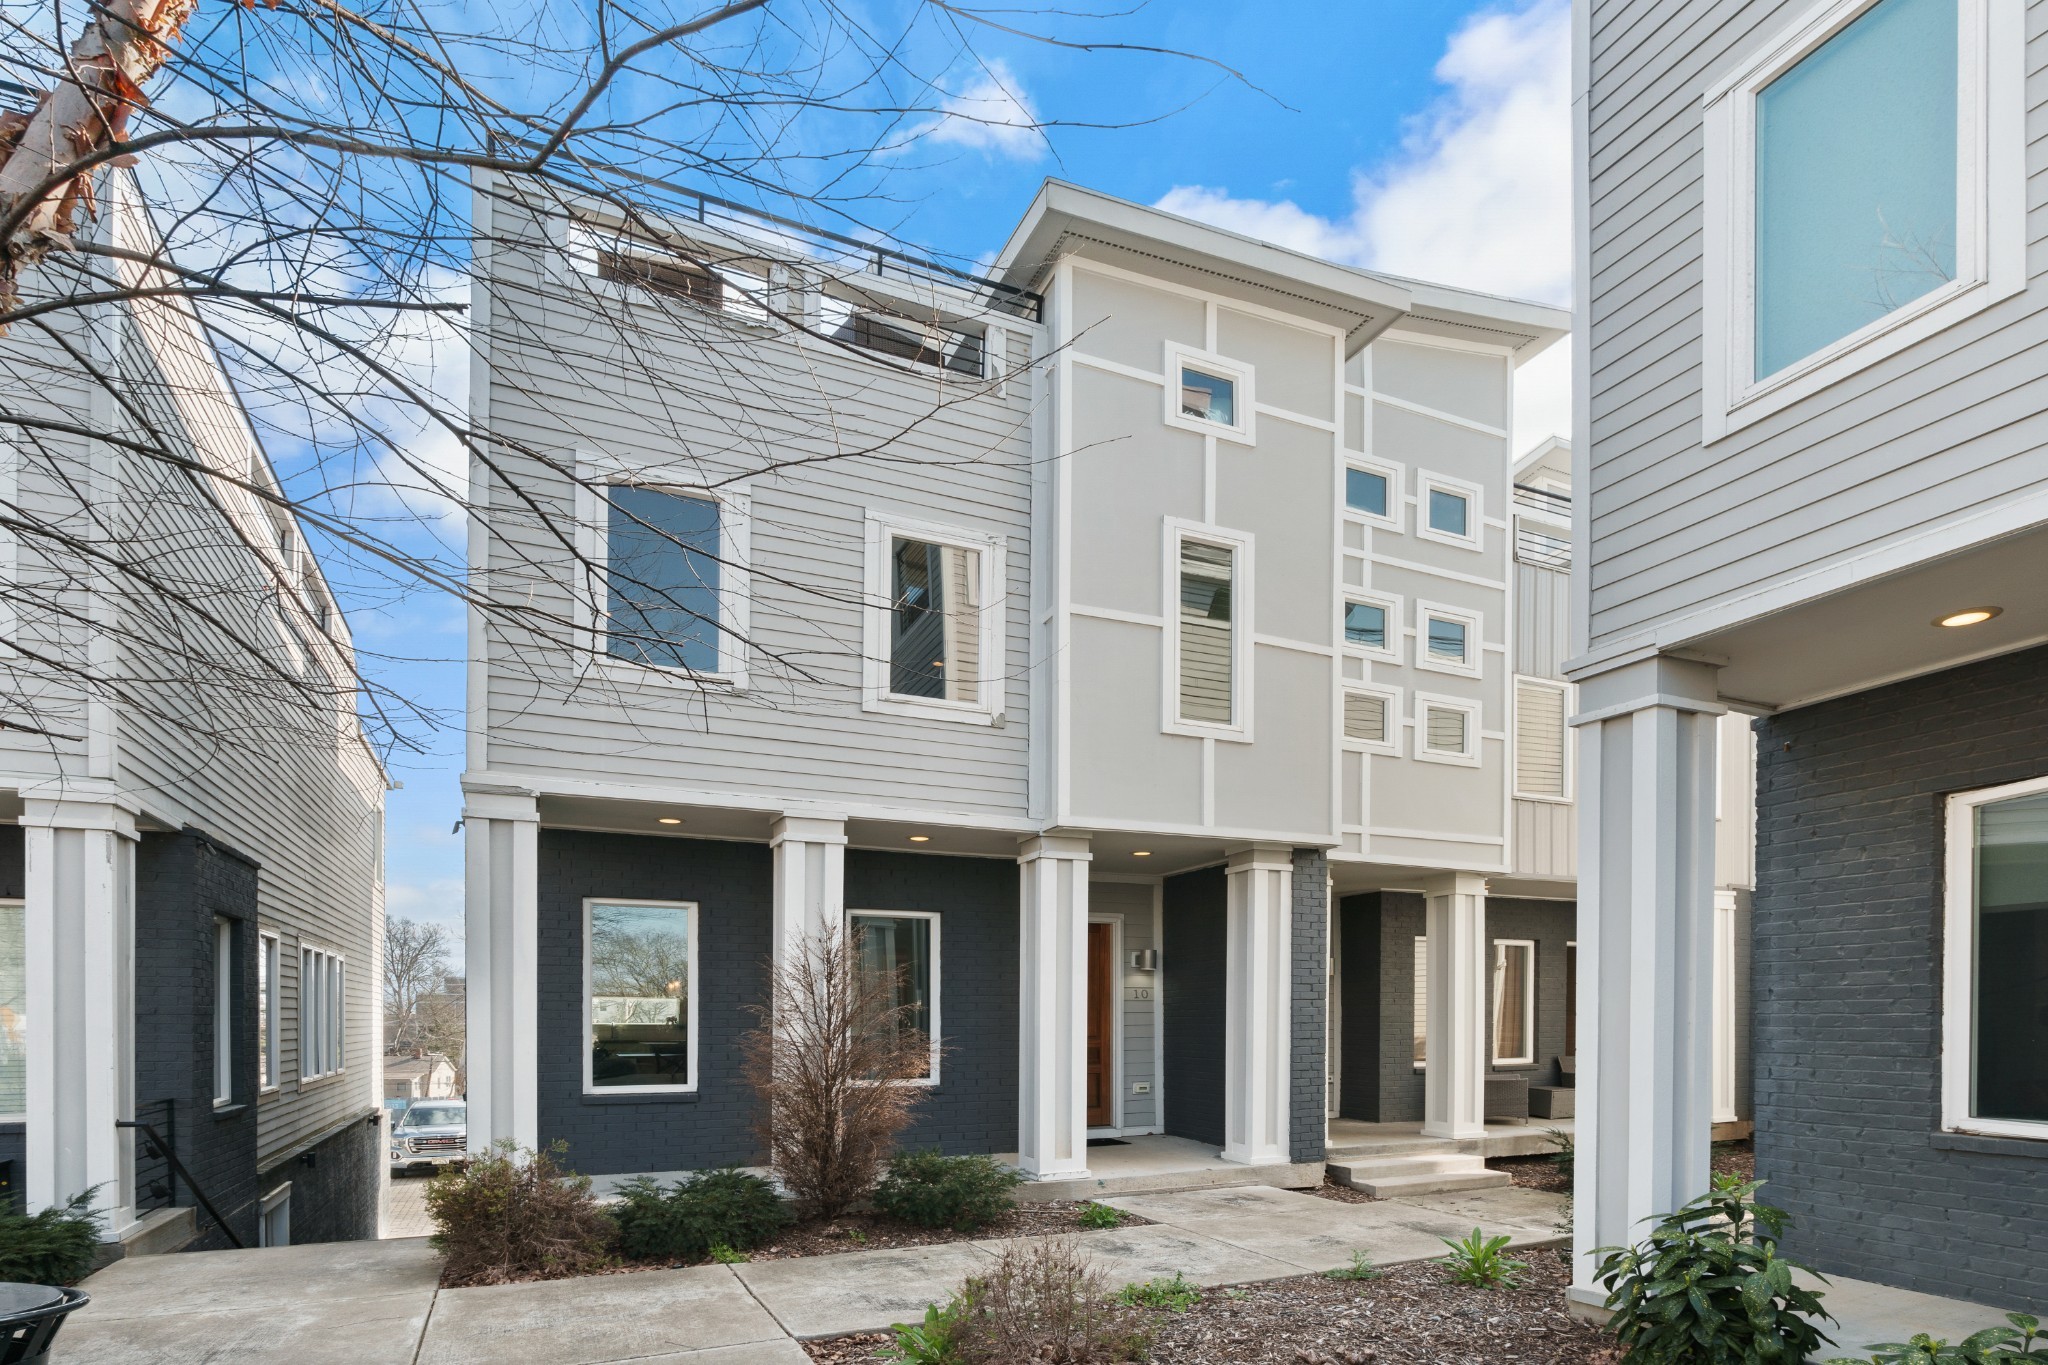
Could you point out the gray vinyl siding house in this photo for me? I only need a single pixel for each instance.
(1813, 495)
(1102, 638)
(240, 826)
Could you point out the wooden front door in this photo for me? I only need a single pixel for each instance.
(1101, 1025)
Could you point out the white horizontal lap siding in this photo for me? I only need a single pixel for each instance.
(798, 727)
(1947, 427)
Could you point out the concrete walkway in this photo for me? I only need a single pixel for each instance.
(377, 1301)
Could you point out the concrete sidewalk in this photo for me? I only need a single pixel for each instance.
(378, 1301)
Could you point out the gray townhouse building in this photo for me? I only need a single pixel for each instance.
(191, 888)
(1149, 648)
(1812, 494)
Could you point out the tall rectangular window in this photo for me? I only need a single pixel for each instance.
(663, 570)
(1207, 640)
(322, 1013)
(1856, 179)
(899, 952)
(223, 1012)
(1421, 1001)
(13, 1011)
(935, 620)
(1539, 739)
(1514, 1002)
(1571, 1000)
(640, 995)
(266, 1010)
(1997, 996)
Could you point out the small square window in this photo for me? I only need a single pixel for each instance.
(1448, 730)
(1365, 625)
(1209, 397)
(1450, 512)
(1371, 718)
(1208, 393)
(1367, 491)
(1447, 640)
(1445, 731)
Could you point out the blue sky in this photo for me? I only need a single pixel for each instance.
(1424, 137)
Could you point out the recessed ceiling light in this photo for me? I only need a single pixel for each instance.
(670, 820)
(920, 838)
(1974, 616)
(1141, 853)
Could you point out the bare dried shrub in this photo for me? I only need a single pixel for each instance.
(511, 1215)
(823, 1060)
(1043, 1302)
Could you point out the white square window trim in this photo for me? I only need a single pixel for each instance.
(596, 471)
(1473, 664)
(1397, 496)
(1176, 530)
(1390, 698)
(1243, 395)
(1397, 626)
(1475, 509)
(1425, 702)
(882, 530)
(1990, 211)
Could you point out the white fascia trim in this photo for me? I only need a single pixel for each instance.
(1959, 967)
(1427, 701)
(1395, 474)
(1990, 212)
(1475, 641)
(933, 1035)
(1243, 398)
(990, 582)
(494, 784)
(1392, 696)
(1396, 608)
(691, 916)
(1475, 497)
(1239, 731)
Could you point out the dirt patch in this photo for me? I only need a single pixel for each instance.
(1533, 1173)
(873, 1232)
(1340, 1194)
(1736, 1158)
(1412, 1315)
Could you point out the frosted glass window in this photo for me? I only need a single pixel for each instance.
(663, 579)
(1856, 179)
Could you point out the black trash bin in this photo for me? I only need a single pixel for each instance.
(30, 1315)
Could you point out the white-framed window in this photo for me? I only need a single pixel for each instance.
(274, 1219)
(1372, 491)
(1450, 512)
(639, 996)
(1514, 1002)
(223, 1012)
(1421, 1002)
(717, 279)
(934, 614)
(14, 1020)
(1865, 189)
(901, 948)
(323, 1013)
(1448, 639)
(1372, 625)
(268, 959)
(1995, 954)
(1542, 755)
(1446, 730)
(666, 592)
(1207, 674)
(1209, 394)
(1372, 718)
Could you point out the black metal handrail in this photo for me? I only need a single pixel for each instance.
(1544, 500)
(171, 1159)
(156, 1181)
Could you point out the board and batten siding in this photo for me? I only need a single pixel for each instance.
(590, 368)
(1943, 429)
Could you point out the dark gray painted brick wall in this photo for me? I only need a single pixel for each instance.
(1847, 985)
(1192, 963)
(182, 881)
(334, 1185)
(1380, 1082)
(1309, 1005)
(974, 1109)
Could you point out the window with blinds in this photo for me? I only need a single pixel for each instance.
(1446, 730)
(1365, 717)
(1539, 739)
(1207, 642)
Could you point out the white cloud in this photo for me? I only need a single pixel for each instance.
(1479, 195)
(991, 114)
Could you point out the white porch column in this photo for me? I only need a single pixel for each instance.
(1258, 1002)
(1646, 930)
(1724, 1005)
(1052, 1072)
(79, 927)
(1454, 1081)
(501, 923)
(809, 854)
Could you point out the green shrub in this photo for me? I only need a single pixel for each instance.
(1099, 1216)
(936, 1340)
(1482, 1262)
(1176, 1295)
(965, 1193)
(1564, 1151)
(1708, 1287)
(1992, 1346)
(512, 1215)
(721, 1254)
(725, 1207)
(55, 1246)
(1361, 1268)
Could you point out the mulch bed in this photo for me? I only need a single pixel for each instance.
(1340, 1194)
(1411, 1315)
(1735, 1158)
(873, 1232)
(1541, 1173)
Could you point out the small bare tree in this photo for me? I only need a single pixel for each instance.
(825, 1060)
(415, 967)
